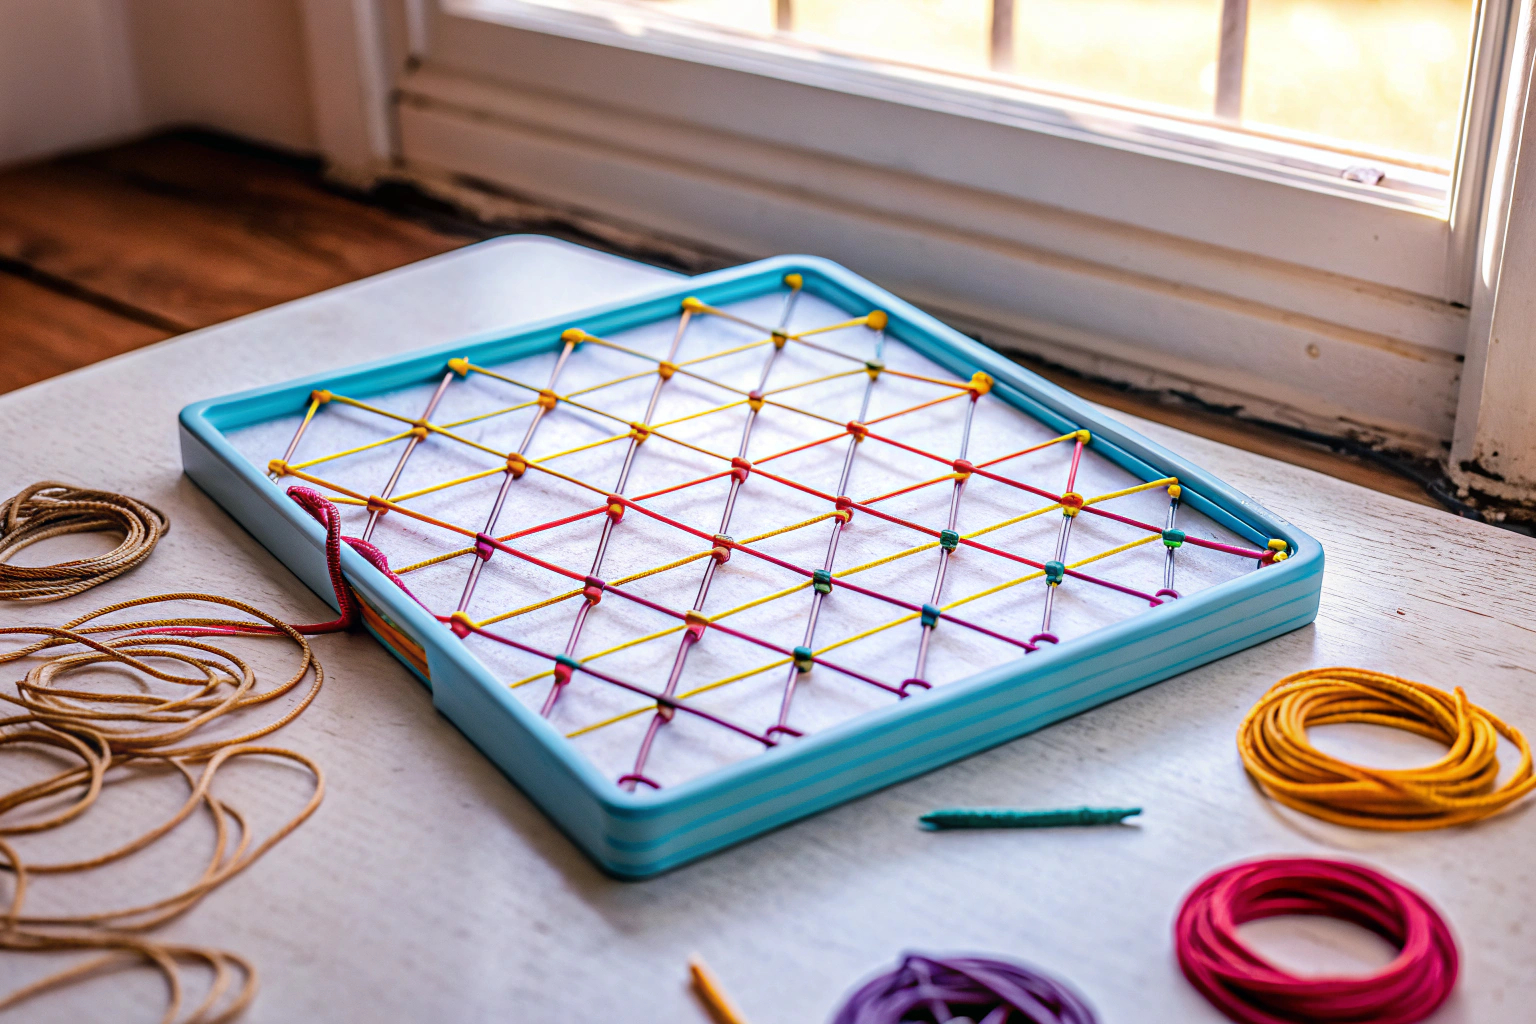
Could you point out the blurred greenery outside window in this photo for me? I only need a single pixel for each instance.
(1375, 77)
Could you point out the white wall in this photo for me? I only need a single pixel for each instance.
(78, 73)
(67, 76)
(237, 65)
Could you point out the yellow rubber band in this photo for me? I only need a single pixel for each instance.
(1460, 787)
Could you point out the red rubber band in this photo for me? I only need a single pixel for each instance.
(1251, 990)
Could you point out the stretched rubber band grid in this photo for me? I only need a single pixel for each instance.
(1250, 990)
(937, 990)
(798, 655)
(1459, 788)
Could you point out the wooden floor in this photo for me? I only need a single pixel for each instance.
(107, 251)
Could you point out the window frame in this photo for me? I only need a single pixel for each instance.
(1212, 185)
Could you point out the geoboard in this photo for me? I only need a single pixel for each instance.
(692, 566)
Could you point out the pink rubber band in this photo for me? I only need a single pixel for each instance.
(1250, 990)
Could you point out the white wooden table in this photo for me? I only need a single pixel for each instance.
(428, 888)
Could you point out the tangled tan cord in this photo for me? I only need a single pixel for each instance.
(108, 720)
(49, 509)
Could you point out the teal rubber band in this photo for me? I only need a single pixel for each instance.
(949, 540)
(931, 615)
(1173, 538)
(1055, 572)
(1007, 818)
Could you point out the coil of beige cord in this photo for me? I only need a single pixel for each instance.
(120, 697)
(51, 509)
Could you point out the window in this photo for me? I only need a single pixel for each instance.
(1382, 81)
(1383, 76)
(1291, 208)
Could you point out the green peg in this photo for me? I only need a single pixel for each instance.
(983, 817)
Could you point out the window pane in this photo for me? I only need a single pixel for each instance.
(1382, 76)
(1151, 51)
(750, 15)
(1377, 74)
(933, 33)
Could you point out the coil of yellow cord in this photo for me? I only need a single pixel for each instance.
(49, 509)
(1460, 787)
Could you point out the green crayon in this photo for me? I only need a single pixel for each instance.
(983, 817)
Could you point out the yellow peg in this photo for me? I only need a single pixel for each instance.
(712, 995)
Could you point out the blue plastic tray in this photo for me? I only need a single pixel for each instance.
(637, 834)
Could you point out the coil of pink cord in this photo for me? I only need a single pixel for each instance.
(1250, 990)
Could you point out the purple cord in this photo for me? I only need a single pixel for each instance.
(928, 990)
